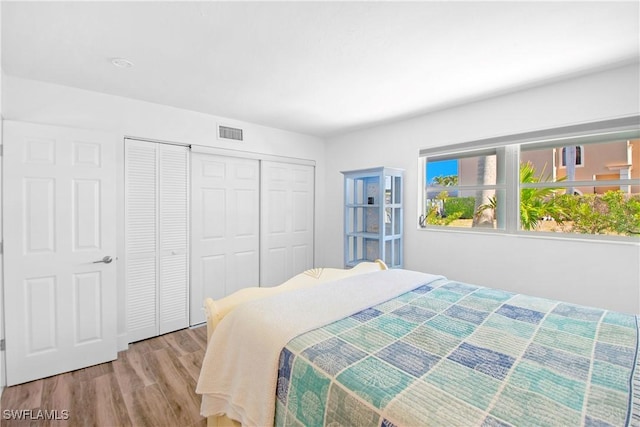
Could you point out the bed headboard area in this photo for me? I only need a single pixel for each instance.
(216, 310)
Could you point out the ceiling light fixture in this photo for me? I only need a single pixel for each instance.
(121, 63)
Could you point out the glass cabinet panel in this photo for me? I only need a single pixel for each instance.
(373, 216)
(397, 186)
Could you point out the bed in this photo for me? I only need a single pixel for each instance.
(397, 347)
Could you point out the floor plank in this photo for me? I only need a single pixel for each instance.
(109, 405)
(58, 393)
(150, 384)
(182, 342)
(177, 386)
(199, 335)
(192, 362)
(132, 372)
(27, 396)
(149, 407)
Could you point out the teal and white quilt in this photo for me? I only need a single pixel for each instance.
(453, 354)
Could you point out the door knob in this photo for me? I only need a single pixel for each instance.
(107, 260)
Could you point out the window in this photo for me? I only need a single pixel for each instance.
(518, 183)
(461, 184)
(579, 154)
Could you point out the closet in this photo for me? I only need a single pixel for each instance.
(252, 222)
(157, 238)
(206, 222)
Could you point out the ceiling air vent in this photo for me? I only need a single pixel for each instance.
(226, 132)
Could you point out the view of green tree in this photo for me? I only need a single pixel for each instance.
(613, 212)
(435, 215)
(535, 203)
(445, 180)
(610, 213)
(464, 205)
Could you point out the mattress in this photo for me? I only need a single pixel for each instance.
(450, 353)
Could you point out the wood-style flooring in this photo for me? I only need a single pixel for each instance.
(151, 384)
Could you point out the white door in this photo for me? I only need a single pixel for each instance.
(157, 238)
(141, 233)
(59, 241)
(173, 222)
(287, 205)
(225, 212)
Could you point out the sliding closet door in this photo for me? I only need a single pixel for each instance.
(287, 206)
(157, 269)
(225, 222)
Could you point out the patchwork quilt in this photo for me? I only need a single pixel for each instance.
(454, 354)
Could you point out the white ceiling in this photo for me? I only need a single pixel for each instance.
(319, 68)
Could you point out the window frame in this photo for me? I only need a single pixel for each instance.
(563, 162)
(502, 171)
(512, 144)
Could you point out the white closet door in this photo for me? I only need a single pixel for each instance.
(141, 170)
(225, 214)
(157, 204)
(173, 239)
(287, 206)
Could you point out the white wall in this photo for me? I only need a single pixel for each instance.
(590, 273)
(600, 274)
(2, 367)
(39, 102)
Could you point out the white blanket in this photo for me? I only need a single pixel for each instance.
(240, 368)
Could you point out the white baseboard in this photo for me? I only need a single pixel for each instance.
(123, 342)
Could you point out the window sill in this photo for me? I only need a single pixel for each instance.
(539, 235)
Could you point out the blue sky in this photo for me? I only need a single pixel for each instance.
(442, 167)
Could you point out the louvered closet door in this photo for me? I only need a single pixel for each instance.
(225, 214)
(156, 182)
(287, 221)
(173, 240)
(141, 165)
